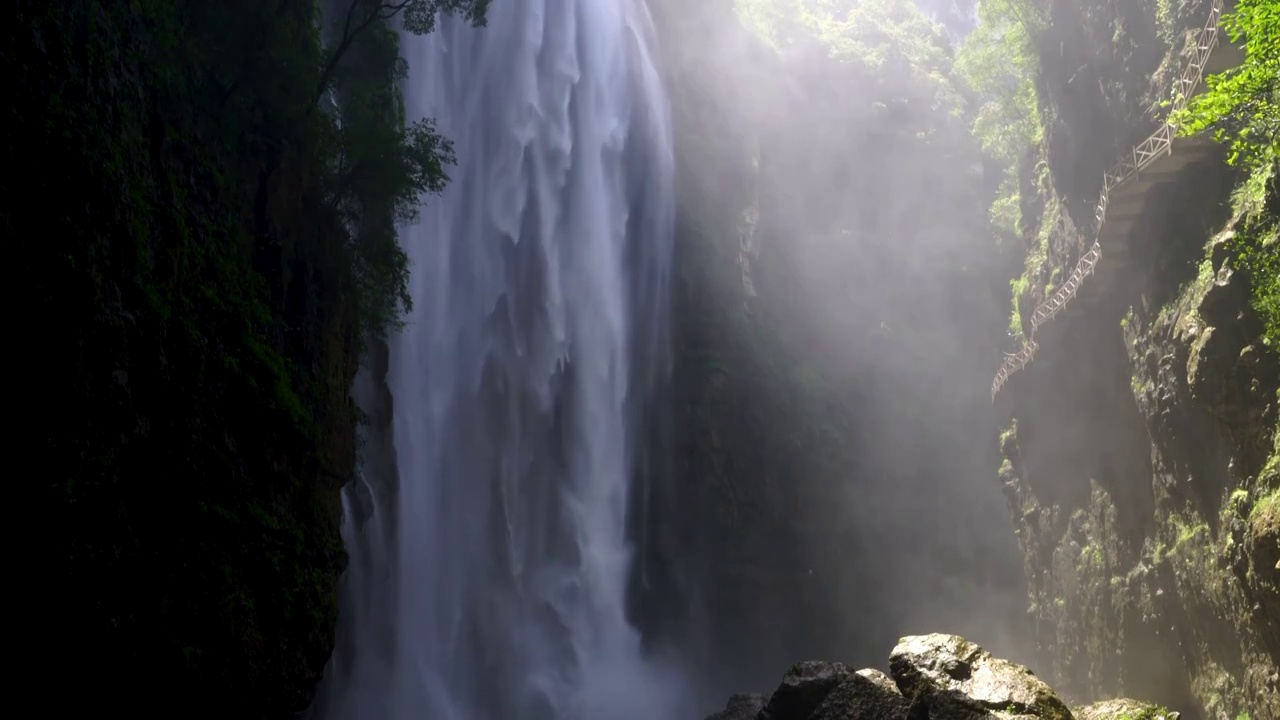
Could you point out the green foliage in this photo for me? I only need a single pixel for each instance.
(1255, 247)
(1149, 713)
(998, 61)
(885, 35)
(1242, 105)
(1033, 265)
(1165, 20)
(886, 38)
(381, 169)
(1270, 475)
(420, 15)
(417, 16)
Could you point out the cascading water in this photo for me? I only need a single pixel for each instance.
(490, 580)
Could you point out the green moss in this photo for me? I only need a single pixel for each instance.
(1267, 506)
(1270, 475)
(1091, 557)
(1255, 246)
(1010, 433)
(1153, 713)
(1034, 264)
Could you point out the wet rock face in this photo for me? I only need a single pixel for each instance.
(958, 679)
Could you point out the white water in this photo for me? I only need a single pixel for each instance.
(490, 581)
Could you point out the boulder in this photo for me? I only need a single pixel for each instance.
(740, 707)
(803, 689)
(1124, 710)
(861, 698)
(956, 679)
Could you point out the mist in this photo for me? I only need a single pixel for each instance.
(603, 359)
(838, 306)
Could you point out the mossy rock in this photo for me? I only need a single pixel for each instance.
(957, 678)
(1124, 709)
(1263, 539)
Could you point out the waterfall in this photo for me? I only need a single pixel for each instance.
(489, 567)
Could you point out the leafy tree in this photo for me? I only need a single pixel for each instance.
(419, 18)
(895, 39)
(998, 61)
(956, 15)
(1242, 105)
(382, 168)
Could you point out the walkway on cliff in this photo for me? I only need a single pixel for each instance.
(1160, 159)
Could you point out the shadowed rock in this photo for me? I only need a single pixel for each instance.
(861, 698)
(803, 689)
(740, 707)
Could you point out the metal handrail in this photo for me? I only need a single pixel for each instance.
(1159, 144)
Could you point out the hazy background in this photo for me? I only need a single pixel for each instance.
(840, 299)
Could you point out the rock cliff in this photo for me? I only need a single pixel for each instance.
(1140, 464)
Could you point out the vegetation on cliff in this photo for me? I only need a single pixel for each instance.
(998, 61)
(1256, 244)
(202, 203)
(1141, 453)
(1241, 107)
(1242, 104)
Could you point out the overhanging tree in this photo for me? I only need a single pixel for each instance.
(1242, 105)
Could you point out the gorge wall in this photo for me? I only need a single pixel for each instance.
(1140, 465)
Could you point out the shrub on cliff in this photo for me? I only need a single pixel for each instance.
(1242, 104)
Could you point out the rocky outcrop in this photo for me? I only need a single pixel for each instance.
(1129, 709)
(931, 677)
(956, 678)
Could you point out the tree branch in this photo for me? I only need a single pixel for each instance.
(382, 11)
